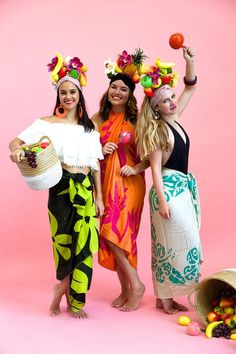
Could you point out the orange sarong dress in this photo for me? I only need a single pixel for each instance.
(123, 196)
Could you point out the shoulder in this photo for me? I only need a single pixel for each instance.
(97, 120)
(48, 118)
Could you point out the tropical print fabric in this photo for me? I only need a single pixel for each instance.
(74, 231)
(123, 196)
(176, 248)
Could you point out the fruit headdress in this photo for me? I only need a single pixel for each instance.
(68, 68)
(158, 75)
(127, 64)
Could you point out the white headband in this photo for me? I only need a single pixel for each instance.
(68, 78)
(159, 94)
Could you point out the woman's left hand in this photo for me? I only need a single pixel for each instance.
(188, 54)
(128, 171)
(99, 207)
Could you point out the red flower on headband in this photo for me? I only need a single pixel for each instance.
(155, 75)
(52, 65)
(124, 59)
(75, 63)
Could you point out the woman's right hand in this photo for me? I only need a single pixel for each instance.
(164, 210)
(17, 155)
(109, 148)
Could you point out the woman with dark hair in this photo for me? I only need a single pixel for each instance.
(123, 188)
(72, 211)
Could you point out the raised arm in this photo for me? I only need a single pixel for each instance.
(190, 80)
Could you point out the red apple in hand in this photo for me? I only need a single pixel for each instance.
(212, 316)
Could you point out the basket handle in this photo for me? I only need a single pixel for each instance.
(45, 137)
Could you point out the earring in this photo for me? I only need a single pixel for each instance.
(156, 115)
(80, 110)
(61, 112)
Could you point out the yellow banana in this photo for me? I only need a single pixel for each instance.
(233, 336)
(210, 327)
(57, 68)
(162, 65)
(118, 69)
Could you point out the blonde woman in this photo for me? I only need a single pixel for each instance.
(173, 198)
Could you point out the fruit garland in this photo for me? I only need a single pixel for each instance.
(128, 64)
(158, 75)
(68, 66)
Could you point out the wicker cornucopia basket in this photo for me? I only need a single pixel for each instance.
(211, 288)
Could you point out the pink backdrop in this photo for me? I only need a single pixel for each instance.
(94, 30)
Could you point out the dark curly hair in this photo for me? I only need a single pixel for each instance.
(85, 121)
(131, 111)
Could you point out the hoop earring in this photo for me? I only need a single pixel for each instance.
(156, 115)
(80, 110)
(61, 112)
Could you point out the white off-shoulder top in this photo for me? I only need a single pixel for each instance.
(73, 145)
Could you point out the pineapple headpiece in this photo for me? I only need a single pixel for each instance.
(67, 69)
(126, 64)
(158, 75)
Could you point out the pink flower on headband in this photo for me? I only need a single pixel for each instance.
(155, 75)
(52, 65)
(75, 63)
(124, 59)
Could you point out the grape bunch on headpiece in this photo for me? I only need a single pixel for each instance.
(68, 66)
(158, 75)
(128, 64)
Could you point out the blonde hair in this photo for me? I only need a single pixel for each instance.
(151, 133)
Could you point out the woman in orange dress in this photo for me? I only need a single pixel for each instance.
(123, 188)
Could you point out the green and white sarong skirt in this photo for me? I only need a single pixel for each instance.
(176, 247)
(74, 231)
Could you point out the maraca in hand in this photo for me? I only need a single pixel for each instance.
(176, 40)
(124, 138)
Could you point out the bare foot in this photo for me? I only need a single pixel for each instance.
(134, 299)
(78, 314)
(54, 308)
(118, 302)
(175, 305)
(167, 305)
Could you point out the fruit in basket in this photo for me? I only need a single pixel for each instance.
(221, 331)
(213, 316)
(227, 302)
(44, 144)
(230, 322)
(184, 320)
(210, 327)
(193, 329)
(233, 336)
(215, 302)
(224, 315)
(229, 310)
(219, 310)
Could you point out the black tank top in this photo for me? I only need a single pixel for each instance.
(178, 159)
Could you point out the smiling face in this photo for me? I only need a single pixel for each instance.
(118, 94)
(168, 104)
(68, 95)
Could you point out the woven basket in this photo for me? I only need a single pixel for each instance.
(212, 288)
(48, 171)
